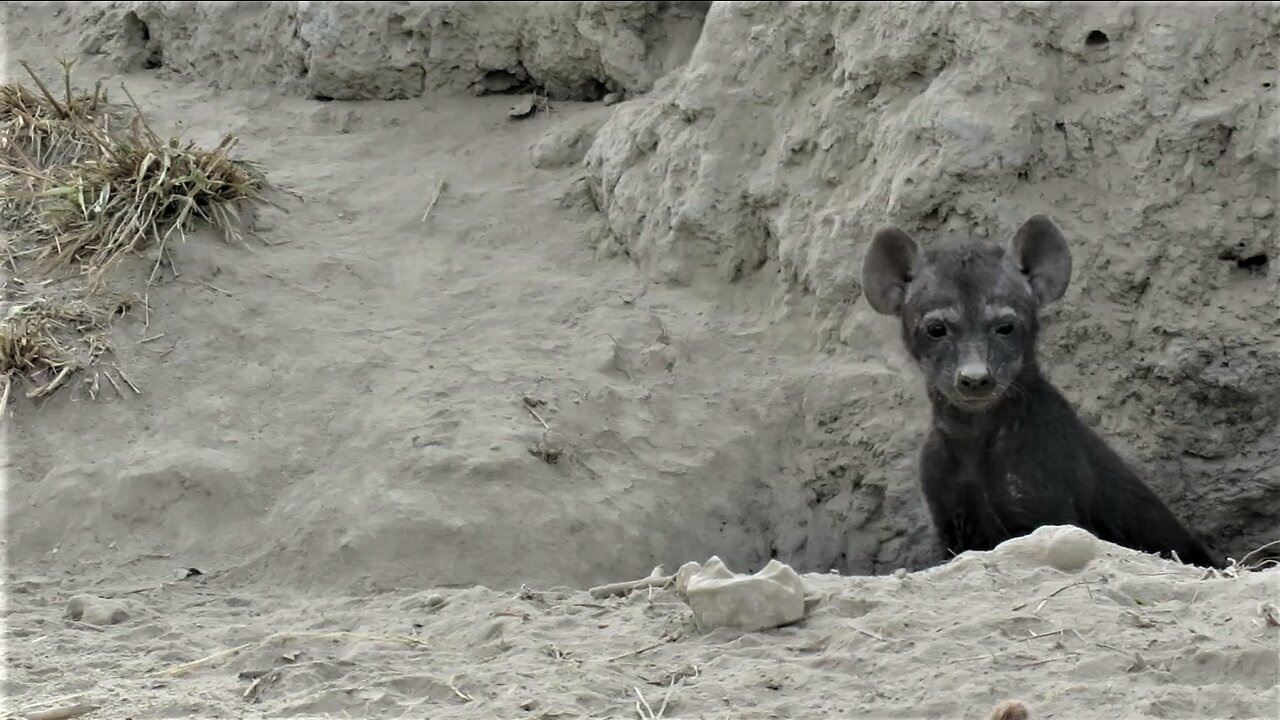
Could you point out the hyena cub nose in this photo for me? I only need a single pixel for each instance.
(974, 379)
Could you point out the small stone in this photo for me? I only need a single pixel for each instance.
(562, 146)
(259, 99)
(768, 599)
(1262, 208)
(428, 603)
(1070, 551)
(321, 118)
(523, 109)
(1010, 710)
(95, 611)
(612, 99)
(348, 122)
(265, 220)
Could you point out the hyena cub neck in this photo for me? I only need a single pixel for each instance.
(1006, 452)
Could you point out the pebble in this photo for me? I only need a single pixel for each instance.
(96, 611)
(1071, 551)
(523, 108)
(563, 146)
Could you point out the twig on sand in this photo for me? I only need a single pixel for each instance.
(93, 385)
(1049, 660)
(639, 651)
(1045, 601)
(440, 188)
(62, 713)
(1064, 588)
(208, 659)
(114, 384)
(4, 395)
(971, 658)
(458, 692)
(655, 580)
(73, 698)
(1243, 564)
(535, 414)
(645, 711)
(666, 697)
(1270, 614)
(868, 633)
(232, 652)
(1037, 636)
(57, 382)
(126, 379)
(260, 684)
(643, 708)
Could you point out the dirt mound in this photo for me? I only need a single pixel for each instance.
(1150, 134)
(1127, 635)
(355, 51)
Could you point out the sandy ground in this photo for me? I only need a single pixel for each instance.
(1128, 636)
(331, 431)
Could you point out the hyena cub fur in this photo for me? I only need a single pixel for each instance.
(1005, 452)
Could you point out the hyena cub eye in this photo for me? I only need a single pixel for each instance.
(936, 329)
(1004, 327)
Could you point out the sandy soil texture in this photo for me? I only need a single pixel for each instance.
(1127, 636)
(375, 463)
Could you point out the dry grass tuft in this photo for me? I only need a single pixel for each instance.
(46, 340)
(85, 183)
(90, 188)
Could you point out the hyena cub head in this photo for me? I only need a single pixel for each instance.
(969, 311)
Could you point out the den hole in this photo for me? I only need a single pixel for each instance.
(137, 35)
(594, 91)
(1096, 39)
(1253, 263)
(1250, 263)
(514, 81)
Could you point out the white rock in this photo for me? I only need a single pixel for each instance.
(564, 144)
(772, 597)
(1062, 547)
(96, 611)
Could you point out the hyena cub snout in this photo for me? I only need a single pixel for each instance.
(973, 379)
(971, 372)
(972, 350)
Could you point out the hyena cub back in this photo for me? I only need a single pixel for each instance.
(1006, 453)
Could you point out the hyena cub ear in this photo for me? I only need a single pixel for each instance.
(1040, 251)
(887, 269)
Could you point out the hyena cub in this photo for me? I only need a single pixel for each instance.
(1006, 452)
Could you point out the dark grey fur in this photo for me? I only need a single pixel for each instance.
(1006, 452)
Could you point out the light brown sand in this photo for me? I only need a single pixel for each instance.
(333, 423)
(1129, 637)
